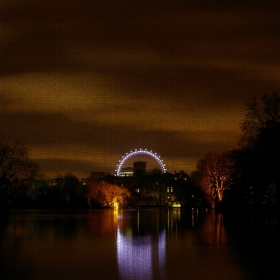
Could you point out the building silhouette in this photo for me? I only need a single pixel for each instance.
(139, 168)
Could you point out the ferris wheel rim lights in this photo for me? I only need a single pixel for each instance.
(139, 152)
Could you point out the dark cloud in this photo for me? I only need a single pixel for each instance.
(48, 131)
(39, 36)
(51, 168)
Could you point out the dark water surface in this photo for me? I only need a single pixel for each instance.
(155, 243)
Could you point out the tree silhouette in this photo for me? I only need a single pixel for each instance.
(262, 115)
(15, 169)
(15, 165)
(261, 142)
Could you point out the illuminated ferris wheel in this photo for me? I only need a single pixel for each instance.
(140, 152)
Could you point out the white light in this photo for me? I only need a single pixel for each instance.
(136, 152)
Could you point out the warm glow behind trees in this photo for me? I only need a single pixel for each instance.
(214, 173)
(253, 171)
(107, 194)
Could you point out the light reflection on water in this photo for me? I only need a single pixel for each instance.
(140, 257)
(149, 244)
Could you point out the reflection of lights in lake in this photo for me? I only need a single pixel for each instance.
(193, 217)
(116, 214)
(140, 256)
(116, 205)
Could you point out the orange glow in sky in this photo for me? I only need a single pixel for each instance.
(84, 82)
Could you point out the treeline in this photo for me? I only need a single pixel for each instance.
(249, 175)
(20, 186)
(65, 192)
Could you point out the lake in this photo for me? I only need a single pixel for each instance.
(137, 244)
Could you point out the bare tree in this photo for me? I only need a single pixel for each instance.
(15, 165)
(214, 173)
(261, 114)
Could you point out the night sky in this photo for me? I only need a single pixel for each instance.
(83, 82)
